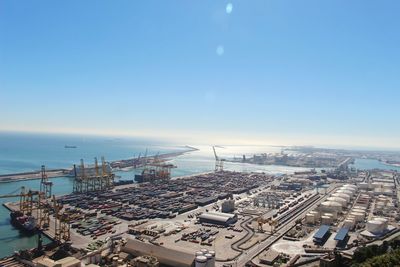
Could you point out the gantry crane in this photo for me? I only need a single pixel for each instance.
(30, 201)
(61, 223)
(219, 163)
(44, 200)
(90, 179)
(261, 221)
(108, 178)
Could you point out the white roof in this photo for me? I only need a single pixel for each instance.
(217, 216)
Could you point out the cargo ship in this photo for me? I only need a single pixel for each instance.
(67, 146)
(25, 223)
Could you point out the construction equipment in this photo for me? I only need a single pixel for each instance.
(89, 179)
(155, 170)
(219, 163)
(29, 201)
(44, 203)
(45, 184)
(61, 223)
(272, 223)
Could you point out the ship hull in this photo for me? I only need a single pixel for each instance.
(27, 229)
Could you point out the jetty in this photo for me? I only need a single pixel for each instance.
(132, 163)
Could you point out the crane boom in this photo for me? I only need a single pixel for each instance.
(215, 153)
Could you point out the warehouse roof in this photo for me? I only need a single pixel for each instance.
(321, 232)
(341, 235)
(217, 216)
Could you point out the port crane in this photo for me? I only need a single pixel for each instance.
(90, 179)
(30, 201)
(272, 223)
(219, 163)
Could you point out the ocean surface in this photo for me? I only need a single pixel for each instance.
(27, 152)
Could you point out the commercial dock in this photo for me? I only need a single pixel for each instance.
(221, 218)
(136, 162)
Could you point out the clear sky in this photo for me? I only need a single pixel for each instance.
(267, 71)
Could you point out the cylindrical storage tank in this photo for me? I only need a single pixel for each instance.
(342, 195)
(120, 262)
(316, 214)
(349, 224)
(212, 252)
(205, 251)
(388, 186)
(359, 207)
(209, 259)
(375, 227)
(350, 186)
(326, 220)
(115, 261)
(352, 189)
(376, 185)
(358, 210)
(344, 191)
(201, 261)
(339, 200)
(310, 218)
(363, 186)
(332, 215)
(98, 258)
(384, 221)
(329, 206)
(199, 253)
(358, 216)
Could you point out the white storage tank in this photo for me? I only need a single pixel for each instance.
(333, 215)
(204, 251)
(329, 206)
(209, 260)
(350, 185)
(350, 188)
(316, 214)
(359, 207)
(212, 263)
(363, 186)
(340, 200)
(199, 253)
(358, 210)
(384, 221)
(349, 223)
(345, 191)
(201, 261)
(376, 227)
(359, 217)
(376, 185)
(327, 220)
(342, 195)
(310, 218)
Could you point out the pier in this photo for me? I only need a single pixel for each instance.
(115, 165)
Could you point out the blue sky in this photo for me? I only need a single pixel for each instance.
(291, 72)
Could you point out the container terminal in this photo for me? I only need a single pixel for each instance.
(221, 218)
(133, 163)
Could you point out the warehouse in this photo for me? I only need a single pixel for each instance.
(205, 201)
(218, 218)
(322, 235)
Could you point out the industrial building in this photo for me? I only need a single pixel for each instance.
(342, 237)
(218, 218)
(322, 234)
(164, 255)
(228, 206)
